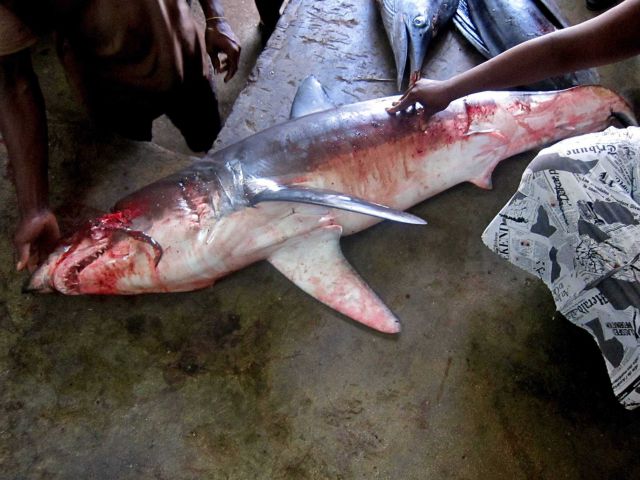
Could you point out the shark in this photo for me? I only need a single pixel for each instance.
(288, 194)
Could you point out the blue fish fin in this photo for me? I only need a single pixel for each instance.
(311, 97)
(552, 12)
(314, 262)
(328, 198)
(464, 24)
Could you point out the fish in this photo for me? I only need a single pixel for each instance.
(493, 26)
(288, 193)
(410, 26)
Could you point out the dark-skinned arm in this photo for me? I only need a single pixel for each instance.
(24, 129)
(220, 39)
(608, 38)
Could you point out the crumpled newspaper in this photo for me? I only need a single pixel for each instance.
(575, 223)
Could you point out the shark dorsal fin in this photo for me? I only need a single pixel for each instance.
(268, 192)
(314, 262)
(311, 97)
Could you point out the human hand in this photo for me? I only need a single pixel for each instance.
(220, 39)
(433, 95)
(35, 237)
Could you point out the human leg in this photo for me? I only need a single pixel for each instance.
(269, 11)
(194, 111)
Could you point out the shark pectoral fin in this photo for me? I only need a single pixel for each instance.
(311, 97)
(328, 198)
(314, 262)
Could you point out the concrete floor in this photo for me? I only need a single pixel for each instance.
(252, 379)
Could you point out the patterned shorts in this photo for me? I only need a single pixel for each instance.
(575, 223)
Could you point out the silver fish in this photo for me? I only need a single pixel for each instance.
(410, 26)
(493, 26)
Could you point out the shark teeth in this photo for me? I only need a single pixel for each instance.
(71, 279)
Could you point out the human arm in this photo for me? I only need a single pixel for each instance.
(220, 39)
(24, 129)
(610, 37)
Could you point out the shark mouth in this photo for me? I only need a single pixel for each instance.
(101, 235)
(71, 278)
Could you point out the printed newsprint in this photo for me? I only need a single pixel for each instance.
(575, 224)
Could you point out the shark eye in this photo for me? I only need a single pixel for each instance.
(419, 21)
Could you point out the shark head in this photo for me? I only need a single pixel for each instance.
(98, 257)
(151, 242)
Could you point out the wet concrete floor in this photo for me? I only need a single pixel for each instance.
(252, 379)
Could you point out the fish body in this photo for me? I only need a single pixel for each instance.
(185, 231)
(410, 26)
(494, 26)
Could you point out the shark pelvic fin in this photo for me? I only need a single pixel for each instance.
(314, 262)
(311, 97)
(277, 193)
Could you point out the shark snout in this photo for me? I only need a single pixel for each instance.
(38, 282)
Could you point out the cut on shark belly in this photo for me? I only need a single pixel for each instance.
(251, 201)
